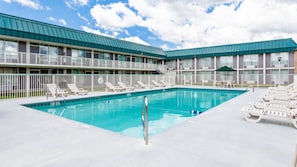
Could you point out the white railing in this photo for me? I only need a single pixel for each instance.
(28, 85)
(241, 80)
(57, 60)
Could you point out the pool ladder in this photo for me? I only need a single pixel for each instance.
(144, 118)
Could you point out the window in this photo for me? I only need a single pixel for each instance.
(284, 59)
(53, 54)
(96, 55)
(34, 48)
(68, 52)
(121, 58)
(250, 60)
(60, 51)
(226, 61)
(22, 46)
(187, 63)
(139, 59)
(11, 50)
(43, 50)
(171, 64)
(88, 54)
(105, 56)
(1, 50)
(150, 61)
(77, 55)
(280, 76)
(250, 75)
(204, 62)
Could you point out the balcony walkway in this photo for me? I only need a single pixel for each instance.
(219, 137)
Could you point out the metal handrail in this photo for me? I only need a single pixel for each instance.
(144, 118)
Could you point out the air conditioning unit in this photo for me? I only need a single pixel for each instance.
(205, 68)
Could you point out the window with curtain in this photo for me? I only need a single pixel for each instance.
(43, 50)
(187, 63)
(1, 50)
(284, 59)
(249, 75)
(105, 56)
(11, 50)
(280, 76)
(250, 60)
(226, 61)
(204, 62)
(53, 53)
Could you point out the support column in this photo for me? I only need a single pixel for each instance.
(237, 69)
(92, 80)
(178, 70)
(195, 69)
(215, 73)
(28, 53)
(27, 82)
(264, 68)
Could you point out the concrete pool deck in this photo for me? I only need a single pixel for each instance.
(219, 137)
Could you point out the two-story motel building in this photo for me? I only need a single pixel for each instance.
(32, 47)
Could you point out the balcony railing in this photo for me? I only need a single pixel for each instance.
(57, 60)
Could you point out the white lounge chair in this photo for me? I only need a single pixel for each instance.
(55, 90)
(110, 86)
(287, 88)
(142, 85)
(156, 84)
(77, 91)
(253, 114)
(124, 86)
(280, 96)
(164, 83)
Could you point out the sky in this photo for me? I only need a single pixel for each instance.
(169, 24)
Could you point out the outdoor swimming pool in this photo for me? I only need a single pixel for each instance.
(122, 113)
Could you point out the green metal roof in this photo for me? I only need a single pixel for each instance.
(281, 45)
(30, 29)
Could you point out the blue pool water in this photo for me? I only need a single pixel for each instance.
(122, 113)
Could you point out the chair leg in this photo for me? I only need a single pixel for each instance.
(252, 118)
(294, 121)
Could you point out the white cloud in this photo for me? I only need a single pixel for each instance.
(73, 3)
(114, 16)
(187, 23)
(191, 23)
(136, 40)
(61, 21)
(52, 19)
(98, 32)
(27, 3)
(83, 18)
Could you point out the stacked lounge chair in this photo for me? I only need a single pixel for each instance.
(142, 85)
(56, 91)
(125, 87)
(156, 84)
(77, 91)
(111, 87)
(278, 102)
